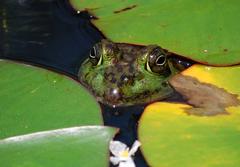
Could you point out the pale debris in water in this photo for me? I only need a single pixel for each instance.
(122, 154)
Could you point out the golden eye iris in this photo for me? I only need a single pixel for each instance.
(157, 61)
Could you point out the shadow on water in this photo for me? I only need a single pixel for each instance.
(50, 34)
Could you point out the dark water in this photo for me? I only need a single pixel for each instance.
(50, 34)
(47, 33)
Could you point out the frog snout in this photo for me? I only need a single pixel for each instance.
(119, 80)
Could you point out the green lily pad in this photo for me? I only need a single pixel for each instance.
(205, 31)
(33, 99)
(78, 146)
(171, 137)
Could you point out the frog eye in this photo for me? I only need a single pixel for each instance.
(157, 61)
(95, 56)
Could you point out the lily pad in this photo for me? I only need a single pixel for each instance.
(33, 99)
(172, 137)
(78, 146)
(224, 77)
(205, 31)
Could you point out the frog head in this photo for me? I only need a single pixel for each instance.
(126, 74)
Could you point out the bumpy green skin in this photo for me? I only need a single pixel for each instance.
(122, 78)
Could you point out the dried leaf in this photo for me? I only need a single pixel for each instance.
(207, 99)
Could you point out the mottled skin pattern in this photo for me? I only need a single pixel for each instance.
(124, 74)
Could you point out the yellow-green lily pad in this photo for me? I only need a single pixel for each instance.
(77, 146)
(171, 137)
(205, 31)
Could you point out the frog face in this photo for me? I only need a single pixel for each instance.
(124, 74)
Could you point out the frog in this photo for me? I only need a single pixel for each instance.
(122, 74)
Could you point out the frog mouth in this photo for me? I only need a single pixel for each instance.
(115, 98)
(147, 97)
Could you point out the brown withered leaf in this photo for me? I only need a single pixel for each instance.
(206, 99)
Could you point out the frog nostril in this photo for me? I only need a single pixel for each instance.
(124, 79)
